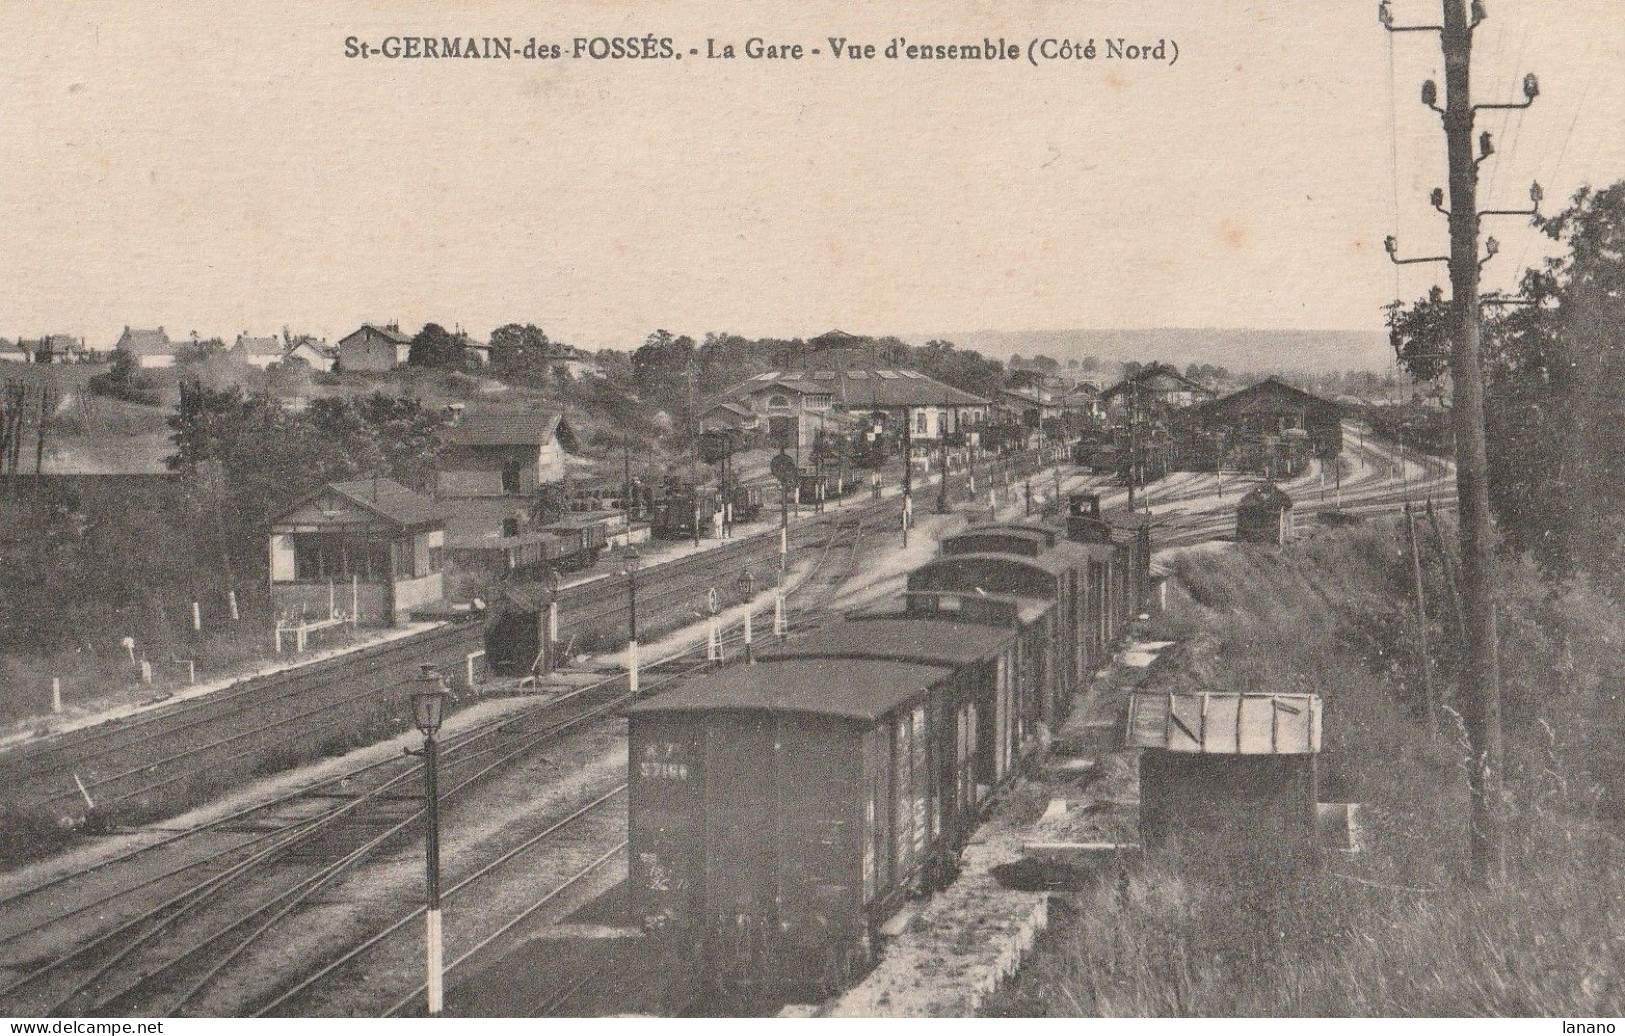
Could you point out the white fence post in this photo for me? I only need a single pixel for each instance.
(56, 694)
(197, 618)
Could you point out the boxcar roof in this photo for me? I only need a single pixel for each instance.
(843, 688)
(1053, 561)
(1034, 528)
(1028, 609)
(924, 641)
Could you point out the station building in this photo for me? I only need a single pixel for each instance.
(370, 548)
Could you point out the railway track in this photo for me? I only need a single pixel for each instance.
(132, 763)
(170, 918)
(160, 761)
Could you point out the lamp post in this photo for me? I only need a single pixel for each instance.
(942, 456)
(633, 561)
(428, 708)
(745, 585)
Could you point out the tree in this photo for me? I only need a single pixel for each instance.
(434, 346)
(666, 373)
(1554, 373)
(521, 353)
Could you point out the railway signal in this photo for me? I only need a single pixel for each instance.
(428, 709)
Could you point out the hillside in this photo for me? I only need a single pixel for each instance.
(1251, 349)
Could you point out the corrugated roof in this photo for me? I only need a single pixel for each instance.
(518, 428)
(921, 641)
(844, 688)
(392, 500)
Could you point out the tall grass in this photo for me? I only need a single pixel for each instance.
(1394, 930)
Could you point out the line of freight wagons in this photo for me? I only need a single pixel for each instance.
(781, 811)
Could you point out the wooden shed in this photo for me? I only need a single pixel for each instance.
(1227, 770)
(1264, 515)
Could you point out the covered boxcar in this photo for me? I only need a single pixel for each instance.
(780, 812)
(1056, 575)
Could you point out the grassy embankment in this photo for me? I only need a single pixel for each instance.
(1394, 930)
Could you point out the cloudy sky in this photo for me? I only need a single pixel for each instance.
(210, 166)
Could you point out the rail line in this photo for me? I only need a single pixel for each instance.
(86, 979)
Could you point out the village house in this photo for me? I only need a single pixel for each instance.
(373, 347)
(490, 468)
(839, 384)
(14, 351)
(53, 349)
(314, 351)
(475, 352)
(147, 347)
(370, 549)
(257, 352)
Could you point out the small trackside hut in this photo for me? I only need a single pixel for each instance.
(1227, 771)
(370, 548)
(1264, 515)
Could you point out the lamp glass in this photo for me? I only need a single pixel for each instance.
(428, 707)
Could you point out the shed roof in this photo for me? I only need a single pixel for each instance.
(515, 428)
(923, 641)
(843, 688)
(860, 387)
(1266, 496)
(1151, 372)
(391, 500)
(1265, 396)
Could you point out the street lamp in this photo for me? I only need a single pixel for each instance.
(634, 561)
(428, 709)
(745, 587)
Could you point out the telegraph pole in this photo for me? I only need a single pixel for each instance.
(1480, 670)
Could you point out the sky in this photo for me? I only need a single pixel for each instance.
(223, 167)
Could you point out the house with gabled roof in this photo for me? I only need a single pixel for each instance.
(148, 347)
(1156, 384)
(370, 549)
(314, 351)
(258, 352)
(374, 347)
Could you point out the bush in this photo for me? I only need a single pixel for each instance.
(1394, 930)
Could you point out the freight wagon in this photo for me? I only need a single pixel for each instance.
(780, 812)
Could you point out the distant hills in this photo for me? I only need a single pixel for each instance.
(1240, 349)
